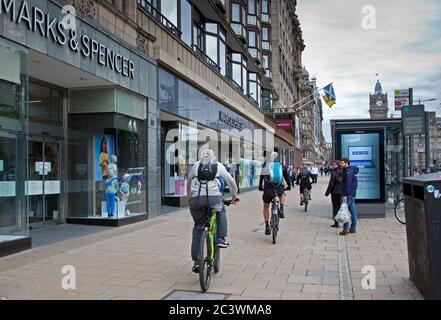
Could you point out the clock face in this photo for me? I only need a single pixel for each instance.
(379, 103)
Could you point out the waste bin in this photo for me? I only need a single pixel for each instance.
(422, 201)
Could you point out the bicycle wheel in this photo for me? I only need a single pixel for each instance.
(216, 256)
(399, 211)
(205, 265)
(274, 223)
(306, 200)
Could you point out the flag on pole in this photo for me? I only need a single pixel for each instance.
(329, 96)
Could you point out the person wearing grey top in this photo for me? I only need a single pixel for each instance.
(208, 194)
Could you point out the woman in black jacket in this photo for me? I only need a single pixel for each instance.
(335, 189)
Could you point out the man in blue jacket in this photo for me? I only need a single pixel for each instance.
(349, 191)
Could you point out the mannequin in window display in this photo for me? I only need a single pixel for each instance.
(104, 158)
(124, 192)
(111, 187)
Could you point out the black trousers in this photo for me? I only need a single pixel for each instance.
(336, 202)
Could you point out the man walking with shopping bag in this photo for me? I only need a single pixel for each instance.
(349, 191)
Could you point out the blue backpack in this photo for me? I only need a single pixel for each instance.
(275, 172)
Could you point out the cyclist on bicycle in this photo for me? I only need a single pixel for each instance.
(272, 186)
(304, 179)
(205, 189)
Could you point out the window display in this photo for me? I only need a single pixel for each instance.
(109, 152)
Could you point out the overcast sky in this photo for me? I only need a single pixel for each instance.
(404, 48)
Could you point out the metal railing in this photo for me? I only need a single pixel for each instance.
(206, 58)
(157, 15)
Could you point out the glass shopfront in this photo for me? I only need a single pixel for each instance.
(212, 125)
(13, 141)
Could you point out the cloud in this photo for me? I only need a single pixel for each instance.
(405, 48)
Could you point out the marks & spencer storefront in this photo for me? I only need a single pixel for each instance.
(77, 110)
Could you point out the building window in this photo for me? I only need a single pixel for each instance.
(252, 7)
(186, 21)
(236, 12)
(239, 70)
(211, 42)
(198, 36)
(215, 46)
(265, 7)
(254, 87)
(169, 9)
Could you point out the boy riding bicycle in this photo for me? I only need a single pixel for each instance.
(273, 174)
(206, 192)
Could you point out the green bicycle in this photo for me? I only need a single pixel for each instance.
(209, 253)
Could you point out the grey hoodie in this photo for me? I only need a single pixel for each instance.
(213, 186)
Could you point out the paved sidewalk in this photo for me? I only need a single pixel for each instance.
(151, 259)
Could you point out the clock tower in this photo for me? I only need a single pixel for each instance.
(378, 103)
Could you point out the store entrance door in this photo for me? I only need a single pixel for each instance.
(44, 185)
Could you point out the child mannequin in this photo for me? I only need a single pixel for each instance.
(111, 187)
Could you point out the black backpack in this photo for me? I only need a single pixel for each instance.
(207, 169)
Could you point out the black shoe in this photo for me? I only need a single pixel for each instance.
(343, 233)
(352, 230)
(335, 225)
(195, 268)
(281, 214)
(267, 230)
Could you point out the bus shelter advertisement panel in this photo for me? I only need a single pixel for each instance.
(363, 150)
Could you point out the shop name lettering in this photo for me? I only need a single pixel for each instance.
(225, 118)
(36, 20)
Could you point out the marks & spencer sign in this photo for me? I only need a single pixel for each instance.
(64, 33)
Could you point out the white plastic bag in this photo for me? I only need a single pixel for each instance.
(343, 215)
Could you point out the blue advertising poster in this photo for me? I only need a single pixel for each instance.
(104, 149)
(363, 151)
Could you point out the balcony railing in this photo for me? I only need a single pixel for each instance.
(206, 58)
(240, 31)
(147, 6)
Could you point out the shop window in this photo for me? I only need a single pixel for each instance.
(107, 154)
(13, 142)
(45, 104)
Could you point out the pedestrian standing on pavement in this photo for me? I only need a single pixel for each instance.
(292, 176)
(314, 174)
(335, 190)
(349, 191)
(321, 171)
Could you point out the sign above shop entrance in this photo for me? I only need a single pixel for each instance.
(63, 33)
(235, 123)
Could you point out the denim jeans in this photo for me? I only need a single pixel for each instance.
(351, 205)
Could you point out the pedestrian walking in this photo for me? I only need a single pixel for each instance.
(349, 191)
(292, 176)
(335, 190)
(321, 171)
(314, 174)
